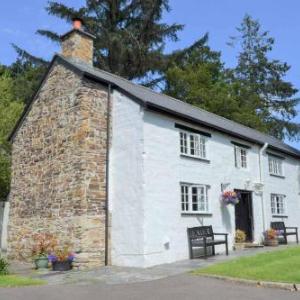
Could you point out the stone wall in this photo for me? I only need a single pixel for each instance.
(58, 180)
(78, 46)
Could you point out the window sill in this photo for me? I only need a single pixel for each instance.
(278, 176)
(280, 216)
(208, 214)
(195, 157)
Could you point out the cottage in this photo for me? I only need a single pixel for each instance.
(120, 172)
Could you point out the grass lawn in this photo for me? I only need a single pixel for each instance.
(280, 266)
(14, 281)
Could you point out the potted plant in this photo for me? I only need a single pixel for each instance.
(61, 259)
(271, 237)
(240, 238)
(44, 243)
(230, 197)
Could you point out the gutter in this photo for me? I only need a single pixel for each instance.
(107, 175)
(261, 151)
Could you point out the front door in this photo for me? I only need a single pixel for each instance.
(243, 214)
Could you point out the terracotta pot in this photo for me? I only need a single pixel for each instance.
(272, 243)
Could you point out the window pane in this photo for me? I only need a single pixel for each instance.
(183, 142)
(195, 199)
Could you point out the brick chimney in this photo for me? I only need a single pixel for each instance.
(78, 44)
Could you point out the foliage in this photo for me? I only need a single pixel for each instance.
(14, 281)
(130, 36)
(61, 255)
(262, 87)
(240, 236)
(254, 93)
(10, 110)
(230, 197)
(44, 243)
(281, 266)
(271, 234)
(3, 266)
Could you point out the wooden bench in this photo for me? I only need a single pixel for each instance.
(285, 231)
(203, 236)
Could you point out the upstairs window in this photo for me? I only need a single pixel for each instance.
(194, 198)
(240, 155)
(275, 166)
(278, 204)
(193, 144)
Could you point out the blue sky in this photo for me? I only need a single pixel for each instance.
(18, 24)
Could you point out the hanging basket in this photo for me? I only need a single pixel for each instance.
(230, 197)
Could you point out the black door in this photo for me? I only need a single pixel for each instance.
(243, 215)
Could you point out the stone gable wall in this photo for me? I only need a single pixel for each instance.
(58, 171)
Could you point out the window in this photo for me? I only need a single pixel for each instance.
(275, 166)
(240, 157)
(192, 144)
(278, 204)
(194, 198)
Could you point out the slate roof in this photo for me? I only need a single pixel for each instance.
(161, 102)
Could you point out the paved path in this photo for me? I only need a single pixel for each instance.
(122, 275)
(179, 287)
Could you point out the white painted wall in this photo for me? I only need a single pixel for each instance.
(4, 213)
(126, 194)
(146, 170)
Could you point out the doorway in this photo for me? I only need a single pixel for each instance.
(244, 214)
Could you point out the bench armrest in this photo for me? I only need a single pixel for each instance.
(296, 228)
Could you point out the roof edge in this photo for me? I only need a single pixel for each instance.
(27, 108)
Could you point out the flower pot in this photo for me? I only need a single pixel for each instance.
(271, 243)
(41, 263)
(62, 265)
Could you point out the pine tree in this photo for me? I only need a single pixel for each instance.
(261, 81)
(130, 36)
(197, 76)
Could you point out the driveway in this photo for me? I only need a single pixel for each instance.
(179, 287)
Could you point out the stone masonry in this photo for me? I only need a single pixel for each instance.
(79, 46)
(58, 180)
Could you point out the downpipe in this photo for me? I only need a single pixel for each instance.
(261, 180)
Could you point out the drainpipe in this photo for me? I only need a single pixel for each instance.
(107, 175)
(261, 180)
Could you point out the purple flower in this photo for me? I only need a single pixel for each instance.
(52, 258)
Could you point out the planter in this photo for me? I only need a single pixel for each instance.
(239, 246)
(41, 263)
(271, 243)
(62, 265)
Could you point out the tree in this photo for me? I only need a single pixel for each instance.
(130, 36)
(10, 111)
(197, 76)
(261, 81)
(26, 77)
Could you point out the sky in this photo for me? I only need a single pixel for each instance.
(19, 20)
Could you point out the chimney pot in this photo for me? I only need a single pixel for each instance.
(77, 23)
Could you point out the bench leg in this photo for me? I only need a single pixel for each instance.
(297, 239)
(205, 249)
(213, 250)
(227, 253)
(285, 239)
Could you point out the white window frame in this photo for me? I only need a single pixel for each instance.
(275, 166)
(193, 144)
(194, 203)
(278, 205)
(241, 157)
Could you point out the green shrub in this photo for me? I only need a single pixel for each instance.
(3, 266)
